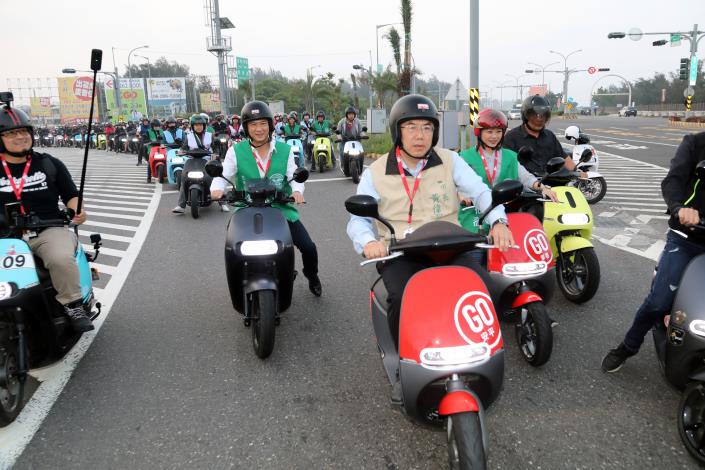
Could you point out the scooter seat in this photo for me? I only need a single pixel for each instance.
(42, 272)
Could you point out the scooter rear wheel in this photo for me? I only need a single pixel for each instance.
(160, 174)
(691, 420)
(579, 277)
(355, 171)
(11, 387)
(321, 163)
(534, 334)
(465, 448)
(593, 189)
(264, 311)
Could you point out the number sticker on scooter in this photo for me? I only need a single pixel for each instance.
(475, 319)
(537, 247)
(17, 261)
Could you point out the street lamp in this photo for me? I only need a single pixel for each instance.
(377, 38)
(129, 69)
(517, 77)
(566, 75)
(149, 76)
(369, 75)
(313, 81)
(543, 70)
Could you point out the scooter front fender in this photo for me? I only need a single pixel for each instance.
(593, 175)
(459, 401)
(526, 298)
(258, 283)
(572, 243)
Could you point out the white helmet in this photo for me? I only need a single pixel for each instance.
(572, 132)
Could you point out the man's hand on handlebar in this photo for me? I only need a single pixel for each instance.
(688, 216)
(375, 249)
(501, 236)
(298, 198)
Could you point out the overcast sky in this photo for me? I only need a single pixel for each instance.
(40, 37)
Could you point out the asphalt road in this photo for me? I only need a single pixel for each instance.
(171, 380)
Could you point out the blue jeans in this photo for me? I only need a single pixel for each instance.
(675, 257)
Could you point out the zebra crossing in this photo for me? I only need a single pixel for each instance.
(631, 216)
(116, 199)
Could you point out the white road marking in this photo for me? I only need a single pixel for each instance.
(322, 180)
(107, 236)
(116, 196)
(633, 140)
(95, 223)
(129, 203)
(105, 251)
(116, 208)
(15, 437)
(115, 216)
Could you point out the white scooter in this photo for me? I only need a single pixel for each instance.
(585, 158)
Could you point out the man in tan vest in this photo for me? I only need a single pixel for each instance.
(414, 184)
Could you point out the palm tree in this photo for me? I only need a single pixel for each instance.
(356, 98)
(405, 78)
(395, 42)
(382, 84)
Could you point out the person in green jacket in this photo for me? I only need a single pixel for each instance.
(493, 163)
(261, 155)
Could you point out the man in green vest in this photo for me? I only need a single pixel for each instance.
(259, 156)
(153, 137)
(414, 184)
(292, 128)
(321, 126)
(494, 163)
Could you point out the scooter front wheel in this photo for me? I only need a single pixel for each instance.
(534, 334)
(578, 274)
(593, 189)
(355, 171)
(691, 420)
(322, 163)
(11, 387)
(195, 202)
(465, 448)
(264, 313)
(160, 174)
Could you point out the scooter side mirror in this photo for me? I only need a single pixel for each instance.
(586, 155)
(300, 175)
(525, 154)
(364, 128)
(506, 191)
(336, 131)
(214, 168)
(554, 164)
(362, 206)
(700, 170)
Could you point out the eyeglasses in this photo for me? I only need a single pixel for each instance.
(426, 129)
(14, 134)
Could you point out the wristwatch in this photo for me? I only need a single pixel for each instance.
(501, 221)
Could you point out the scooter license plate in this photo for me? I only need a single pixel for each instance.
(322, 147)
(18, 261)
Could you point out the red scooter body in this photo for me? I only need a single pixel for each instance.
(523, 281)
(157, 162)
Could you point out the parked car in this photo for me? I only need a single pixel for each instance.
(514, 114)
(627, 111)
(585, 111)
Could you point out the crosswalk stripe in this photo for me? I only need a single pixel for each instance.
(117, 208)
(104, 268)
(108, 201)
(96, 223)
(105, 251)
(117, 196)
(106, 236)
(116, 216)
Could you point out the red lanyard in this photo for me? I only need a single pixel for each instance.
(17, 189)
(259, 163)
(490, 179)
(417, 180)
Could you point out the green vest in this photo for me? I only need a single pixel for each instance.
(508, 170)
(153, 136)
(247, 169)
(288, 131)
(323, 128)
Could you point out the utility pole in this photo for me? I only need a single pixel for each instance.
(674, 37)
(474, 83)
(116, 86)
(220, 46)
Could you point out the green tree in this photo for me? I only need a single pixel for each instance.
(406, 17)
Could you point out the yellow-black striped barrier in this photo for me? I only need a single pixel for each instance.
(474, 104)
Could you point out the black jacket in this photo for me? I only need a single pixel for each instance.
(679, 184)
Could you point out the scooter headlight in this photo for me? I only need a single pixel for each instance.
(574, 219)
(354, 153)
(5, 290)
(135, 139)
(177, 160)
(455, 355)
(524, 269)
(259, 247)
(697, 327)
(322, 147)
(195, 175)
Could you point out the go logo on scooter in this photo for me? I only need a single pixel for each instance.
(474, 311)
(537, 247)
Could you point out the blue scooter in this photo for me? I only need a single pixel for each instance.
(174, 164)
(295, 142)
(34, 328)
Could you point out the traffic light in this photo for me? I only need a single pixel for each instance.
(685, 68)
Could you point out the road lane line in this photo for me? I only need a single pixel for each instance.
(15, 437)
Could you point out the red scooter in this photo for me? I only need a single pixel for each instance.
(450, 361)
(157, 162)
(522, 283)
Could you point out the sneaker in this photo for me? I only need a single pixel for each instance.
(314, 285)
(224, 208)
(615, 359)
(178, 210)
(78, 318)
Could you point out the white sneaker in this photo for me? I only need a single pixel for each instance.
(178, 210)
(224, 208)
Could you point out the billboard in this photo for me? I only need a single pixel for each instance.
(541, 90)
(40, 106)
(167, 96)
(74, 98)
(210, 102)
(133, 100)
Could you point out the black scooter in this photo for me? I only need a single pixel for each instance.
(680, 348)
(196, 180)
(259, 255)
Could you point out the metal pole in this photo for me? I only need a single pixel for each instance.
(369, 88)
(221, 59)
(252, 81)
(116, 86)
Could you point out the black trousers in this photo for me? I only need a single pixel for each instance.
(309, 253)
(397, 272)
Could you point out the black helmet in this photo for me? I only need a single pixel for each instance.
(350, 109)
(535, 105)
(170, 119)
(320, 114)
(255, 110)
(156, 123)
(412, 107)
(13, 118)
